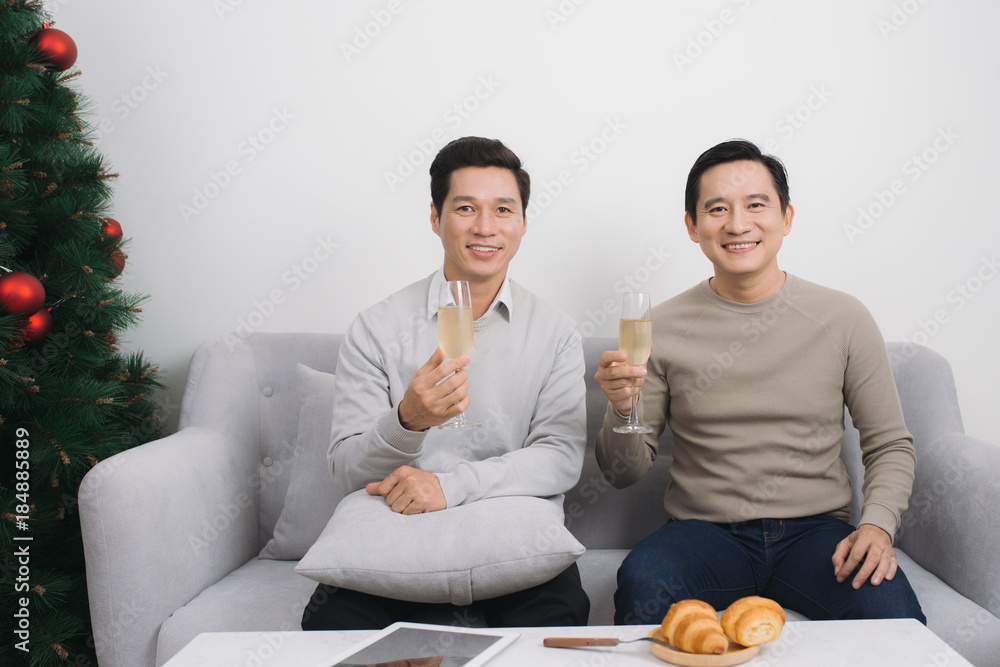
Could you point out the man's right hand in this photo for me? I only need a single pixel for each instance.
(619, 381)
(428, 401)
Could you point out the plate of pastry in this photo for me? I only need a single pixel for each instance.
(735, 654)
(699, 638)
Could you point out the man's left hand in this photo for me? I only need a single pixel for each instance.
(870, 544)
(410, 491)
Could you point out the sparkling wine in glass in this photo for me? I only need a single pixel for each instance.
(635, 339)
(455, 332)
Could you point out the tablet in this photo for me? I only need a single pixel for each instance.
(423, 645)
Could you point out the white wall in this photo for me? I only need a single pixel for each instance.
(851, 95)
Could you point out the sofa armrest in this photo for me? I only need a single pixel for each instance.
(952, 527)
(161, 522)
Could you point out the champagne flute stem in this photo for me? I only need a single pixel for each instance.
(633, 417)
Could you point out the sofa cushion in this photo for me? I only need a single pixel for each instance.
(599, 576)
(262, 595)
(312, 495)
(951, 616)
(471, 552)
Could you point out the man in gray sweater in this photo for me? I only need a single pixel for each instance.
(525, 385)
(751, 369)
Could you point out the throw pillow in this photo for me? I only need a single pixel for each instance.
(478, 551)
(311, 496)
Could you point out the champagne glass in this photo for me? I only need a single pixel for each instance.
(635, 339)
(455, 332)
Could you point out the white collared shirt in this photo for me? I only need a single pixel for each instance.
(433, 297)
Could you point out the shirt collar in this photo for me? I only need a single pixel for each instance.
(503, 297)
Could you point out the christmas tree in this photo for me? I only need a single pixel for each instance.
(69, 397)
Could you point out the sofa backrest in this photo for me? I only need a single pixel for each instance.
(599, 515)
(244, 386)
(253, 377)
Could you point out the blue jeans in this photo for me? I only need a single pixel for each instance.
(787, 560)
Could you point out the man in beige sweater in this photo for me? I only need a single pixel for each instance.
(751, 370)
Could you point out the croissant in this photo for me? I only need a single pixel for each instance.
(693, 626)
(753, 620)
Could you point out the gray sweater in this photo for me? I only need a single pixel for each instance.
(526, 387)
(754, 395)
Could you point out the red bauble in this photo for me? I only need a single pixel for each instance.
(39, 327)
(110, 229)
(20, 293)
(57, 48)
(117, 262)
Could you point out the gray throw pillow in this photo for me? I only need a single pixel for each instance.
(312, 495)
(478, 551)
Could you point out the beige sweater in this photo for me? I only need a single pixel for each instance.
(754, 395)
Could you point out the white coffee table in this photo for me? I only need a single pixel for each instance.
(886, 643)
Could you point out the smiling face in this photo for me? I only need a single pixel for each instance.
(740, 227)
(480, 224)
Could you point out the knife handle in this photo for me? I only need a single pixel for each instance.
(575, 642)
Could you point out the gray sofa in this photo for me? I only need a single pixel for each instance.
(172, 529)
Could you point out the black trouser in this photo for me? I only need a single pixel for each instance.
(559, 601)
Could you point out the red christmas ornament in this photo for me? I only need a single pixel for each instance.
(110, 229)
(39, 327)
(117, 262)
(57, 47)
(20, 293)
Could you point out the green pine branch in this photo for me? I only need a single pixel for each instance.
(79, 398)
(21, 19)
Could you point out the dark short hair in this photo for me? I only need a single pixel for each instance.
(475, 152)
(733, 151)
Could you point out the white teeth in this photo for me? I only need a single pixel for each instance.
(740, 246)
(479, 248)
